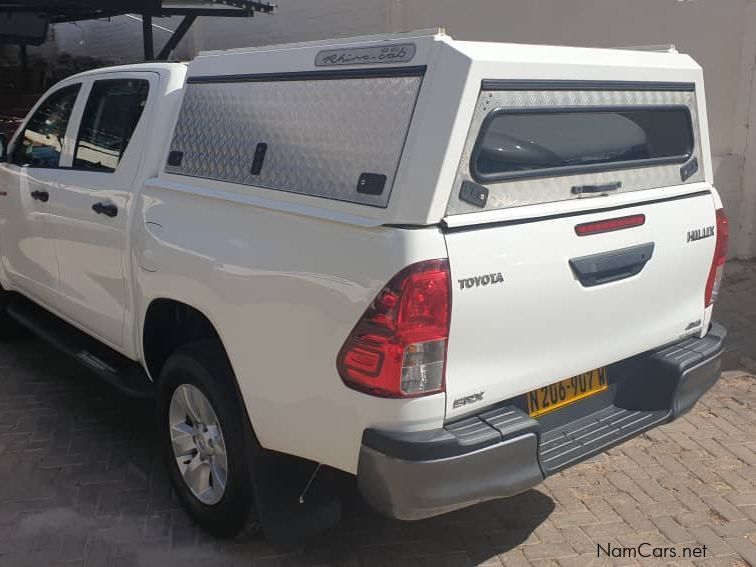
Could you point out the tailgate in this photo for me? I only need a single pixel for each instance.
(522, 318)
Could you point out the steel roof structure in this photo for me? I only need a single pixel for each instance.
(60, 11)
(74, 10)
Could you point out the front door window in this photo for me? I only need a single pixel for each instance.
(41, 142)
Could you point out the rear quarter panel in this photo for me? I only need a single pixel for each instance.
(283, 290)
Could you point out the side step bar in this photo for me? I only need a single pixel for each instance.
(122, 373)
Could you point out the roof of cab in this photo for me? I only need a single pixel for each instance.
(147, 66)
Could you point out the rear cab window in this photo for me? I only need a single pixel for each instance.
(531, 146)
(112, 113)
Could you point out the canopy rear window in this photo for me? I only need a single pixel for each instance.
(517, 143)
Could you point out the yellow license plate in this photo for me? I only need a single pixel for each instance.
(554, 396)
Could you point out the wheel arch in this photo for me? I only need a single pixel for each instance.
(169, 324)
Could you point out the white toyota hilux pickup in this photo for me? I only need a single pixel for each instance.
(450, 269)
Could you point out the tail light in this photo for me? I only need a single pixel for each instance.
(720, 256)
(398, 347)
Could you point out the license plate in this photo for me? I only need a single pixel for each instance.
(554, 396)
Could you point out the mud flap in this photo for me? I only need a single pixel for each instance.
(293, 499)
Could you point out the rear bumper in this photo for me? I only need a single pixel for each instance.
(503, 451)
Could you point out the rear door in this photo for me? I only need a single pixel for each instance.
(593, 275)
(89, 210)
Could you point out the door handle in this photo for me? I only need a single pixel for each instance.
(107, 209)
(43, 196)
(611, 266)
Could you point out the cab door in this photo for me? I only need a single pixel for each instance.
(27, 182)
(89, 210)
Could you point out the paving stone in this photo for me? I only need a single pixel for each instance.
(715, 545)
(576, 538)
(672, 530)
(744, 547)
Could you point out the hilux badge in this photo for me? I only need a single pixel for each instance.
(700, 233)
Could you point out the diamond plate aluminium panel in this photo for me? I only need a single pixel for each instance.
(321, 134)
(521, 192)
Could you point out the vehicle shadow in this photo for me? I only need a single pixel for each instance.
(80, 471)
(471, 535)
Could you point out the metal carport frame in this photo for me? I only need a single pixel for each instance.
(59, 11)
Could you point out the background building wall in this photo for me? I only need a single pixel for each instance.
(719, 34)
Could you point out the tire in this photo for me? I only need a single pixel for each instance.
(221, 509)
(10, 329)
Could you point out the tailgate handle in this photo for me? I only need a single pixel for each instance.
(606, 267)
(580, 189)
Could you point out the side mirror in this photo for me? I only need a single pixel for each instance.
(3, 147)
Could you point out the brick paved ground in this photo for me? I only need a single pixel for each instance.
(79, 484)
